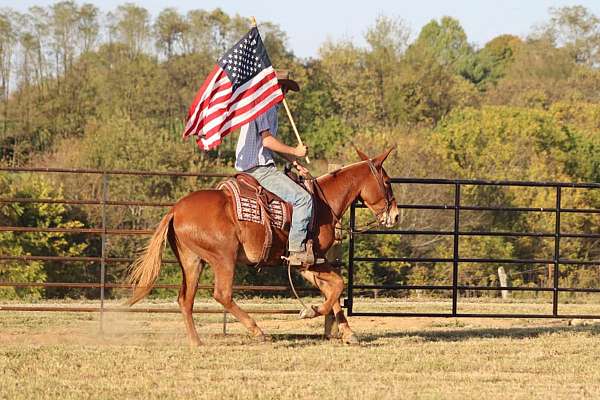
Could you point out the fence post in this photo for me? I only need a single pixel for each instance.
(455, 253)
(556, 253)
(103, 255)
(503, 282)
(331, 328)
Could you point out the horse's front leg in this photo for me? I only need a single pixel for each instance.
(329, 281)
(348, 335)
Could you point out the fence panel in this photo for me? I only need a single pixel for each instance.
(457, 260)
(105, 203)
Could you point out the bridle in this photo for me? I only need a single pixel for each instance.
(387, 197)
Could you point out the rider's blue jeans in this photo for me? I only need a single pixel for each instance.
(278, 183)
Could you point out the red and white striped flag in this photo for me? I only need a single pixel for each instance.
(240, 87)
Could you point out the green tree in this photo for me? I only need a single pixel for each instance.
(538, 76)
(63, 22)
(88, 27)
(48, 244)
(170, 28)
(352, 89)
(578, 30)
(130, 25)
(494, 59)
(444, 43)
(387, 39)
(431, 82)
(8, 38)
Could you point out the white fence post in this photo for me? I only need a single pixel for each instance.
(503, 282)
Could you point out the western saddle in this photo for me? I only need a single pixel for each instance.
(253, 203)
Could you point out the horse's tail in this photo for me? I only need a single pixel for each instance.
(145, 269)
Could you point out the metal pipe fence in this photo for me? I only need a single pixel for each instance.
(456, 233)
(104, 202)
(456, 260)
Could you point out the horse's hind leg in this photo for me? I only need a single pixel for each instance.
(191, 268)
(223, 293)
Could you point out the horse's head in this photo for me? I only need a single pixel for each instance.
(376, 190)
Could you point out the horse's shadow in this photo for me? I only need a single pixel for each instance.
(295, 339)
(462, 334)
(441, 335)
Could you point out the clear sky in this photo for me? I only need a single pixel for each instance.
(309, 23)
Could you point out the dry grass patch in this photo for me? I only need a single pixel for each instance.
(62, 355)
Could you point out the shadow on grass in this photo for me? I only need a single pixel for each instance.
(292, 340)
(297, 340)
(278, 339)
(457, 335)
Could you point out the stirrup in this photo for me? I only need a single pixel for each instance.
(318, 261)
(300, 258)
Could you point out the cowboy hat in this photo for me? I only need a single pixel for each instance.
(284, 78)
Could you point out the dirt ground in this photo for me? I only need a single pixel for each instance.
(50, 355)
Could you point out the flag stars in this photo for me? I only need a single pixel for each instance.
(243, 61)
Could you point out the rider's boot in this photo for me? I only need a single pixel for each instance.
(304, 257)
(299, 258)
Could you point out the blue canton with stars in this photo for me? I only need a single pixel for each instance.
(245, 59)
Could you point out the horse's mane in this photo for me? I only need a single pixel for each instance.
(339, 170)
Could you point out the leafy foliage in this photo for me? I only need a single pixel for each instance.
(79, 88)
(35, 243)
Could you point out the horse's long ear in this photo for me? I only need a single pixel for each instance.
(362, 155)
(378, 161)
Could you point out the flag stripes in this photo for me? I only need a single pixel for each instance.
(240, 87)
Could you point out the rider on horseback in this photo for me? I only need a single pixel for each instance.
(254, 156)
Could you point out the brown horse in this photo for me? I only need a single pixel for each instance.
(203, 228)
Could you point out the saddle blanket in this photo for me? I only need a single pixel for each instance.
(250, 200)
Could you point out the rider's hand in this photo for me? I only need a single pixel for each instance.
(302, 170)
(300, 150)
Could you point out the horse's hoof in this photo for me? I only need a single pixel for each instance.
(310, 312)
(351, 340)
(262, 338)
(259, 336)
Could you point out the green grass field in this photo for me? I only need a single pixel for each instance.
(63, 355)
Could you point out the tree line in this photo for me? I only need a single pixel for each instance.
(110, 90)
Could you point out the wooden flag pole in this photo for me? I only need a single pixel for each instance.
(289, 114)
(287, 109)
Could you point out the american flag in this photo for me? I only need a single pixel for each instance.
(240, 87)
